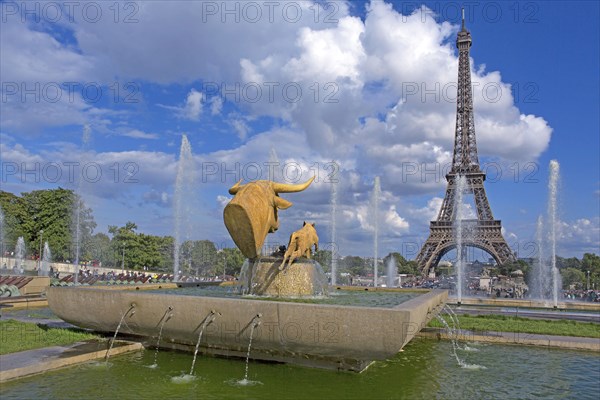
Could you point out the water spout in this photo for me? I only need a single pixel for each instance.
(112, 342)
(254, 323)
(167, 316)
(212, 315)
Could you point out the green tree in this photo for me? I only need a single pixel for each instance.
(323, 257)
(99, 248)
(591, 262)
(403, 266)
(572, 276)
(354, 265)
(14, 213)
(46, 216)
(229, 260)
(510, 267)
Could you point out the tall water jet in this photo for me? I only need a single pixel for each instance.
(273, 167)
(376, 192)
(461, 184)
(182, 201)
(46, 260)
(552, 211)
(1, 232)
(20, 253)
(392, 271)
(78, 208)
(334, 200)
(538, 284)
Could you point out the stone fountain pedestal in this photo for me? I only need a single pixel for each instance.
(304, 278)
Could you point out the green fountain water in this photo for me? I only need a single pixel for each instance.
(425, 369)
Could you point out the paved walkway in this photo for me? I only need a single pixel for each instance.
(31, 362)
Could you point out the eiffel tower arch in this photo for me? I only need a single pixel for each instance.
(485, 232)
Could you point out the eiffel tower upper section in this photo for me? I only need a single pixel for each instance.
(465, 158)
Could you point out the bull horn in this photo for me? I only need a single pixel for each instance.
(234, 189)
(288, 188)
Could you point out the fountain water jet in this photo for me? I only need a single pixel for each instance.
(87, 131)
(181, 201)
(46, 260)
(552, 212)
(334, 200)
(1, 232)
(453, 337)
(20, 253)
(253, 324)
(207, 320)
(461, 184)
(112, 342)
(165, 318)
(392, 271)
(375, 204)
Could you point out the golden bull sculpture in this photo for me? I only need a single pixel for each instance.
(252, 213)
(300, 244)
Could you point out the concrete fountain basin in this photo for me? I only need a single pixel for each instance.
(315, 335)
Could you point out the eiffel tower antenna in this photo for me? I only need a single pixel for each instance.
(486, 232)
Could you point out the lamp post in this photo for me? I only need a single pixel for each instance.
(588, 280)
(123, 261)
(40, 254)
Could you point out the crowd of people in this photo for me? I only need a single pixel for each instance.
(582, 295)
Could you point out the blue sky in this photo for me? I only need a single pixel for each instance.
(376, 82)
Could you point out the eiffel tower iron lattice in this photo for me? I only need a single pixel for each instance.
(484, 232)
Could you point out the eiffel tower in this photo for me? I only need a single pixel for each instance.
(484, 232)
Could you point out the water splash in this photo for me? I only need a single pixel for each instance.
(334, 201)
(375, 205)
(46, 260)
(112, 342)
(182, 201)
(183, 378)
(461, 185)
(452, 336)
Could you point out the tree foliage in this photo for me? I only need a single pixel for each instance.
(46, 216)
